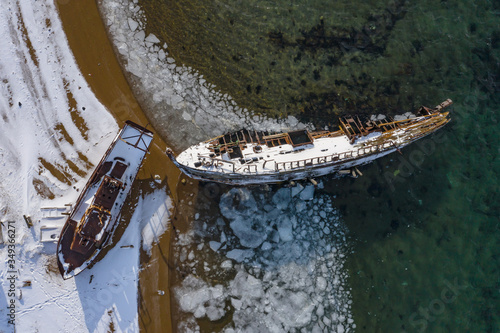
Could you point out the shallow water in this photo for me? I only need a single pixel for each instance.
(315, 58)
(423, 226)
(261, 259)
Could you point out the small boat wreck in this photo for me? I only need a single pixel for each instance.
(249, 157)
(95, 215)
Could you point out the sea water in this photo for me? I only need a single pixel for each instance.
(412, 246)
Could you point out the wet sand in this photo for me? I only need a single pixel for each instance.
(94, 55)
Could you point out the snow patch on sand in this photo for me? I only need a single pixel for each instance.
(160, 206)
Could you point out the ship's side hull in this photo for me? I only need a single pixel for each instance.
(279, 177)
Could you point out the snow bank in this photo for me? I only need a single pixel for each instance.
(160, 205)
(183, 107)
(274, 269)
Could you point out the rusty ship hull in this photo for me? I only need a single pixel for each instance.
(96, 213)
(251, 158)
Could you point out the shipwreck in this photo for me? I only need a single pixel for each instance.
(248, 157)
(95, 215)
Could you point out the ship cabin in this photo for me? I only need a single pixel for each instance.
(234, 143)
(91, 228)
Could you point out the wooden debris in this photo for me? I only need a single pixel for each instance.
(1, 232)
(28, 221)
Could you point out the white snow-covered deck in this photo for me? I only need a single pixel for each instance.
(280, 158)
(259, 163)
(128, 148)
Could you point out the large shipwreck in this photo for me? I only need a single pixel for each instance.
(96, 213)
(249, 157)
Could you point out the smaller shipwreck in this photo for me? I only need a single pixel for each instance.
(96, 213)
(249, 157)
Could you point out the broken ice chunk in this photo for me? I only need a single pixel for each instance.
(307, 193)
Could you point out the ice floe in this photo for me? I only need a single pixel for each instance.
(278, 269)
(187, 109)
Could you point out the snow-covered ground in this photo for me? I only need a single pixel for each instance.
(53, 131)
(272, 260)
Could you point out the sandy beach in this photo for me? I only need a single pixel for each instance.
(64, 98)
(94, 54)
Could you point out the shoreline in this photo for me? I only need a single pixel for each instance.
(100, 67)
(54, 130)
(183, 106)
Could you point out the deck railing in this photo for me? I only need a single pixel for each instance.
(305, 163)
(310, 162)
(248, 168)
(417, 130)
(218, 163)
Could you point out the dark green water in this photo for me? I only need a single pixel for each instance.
(425, 224)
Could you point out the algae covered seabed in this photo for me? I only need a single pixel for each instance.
(423, 226)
